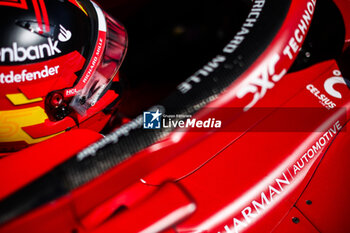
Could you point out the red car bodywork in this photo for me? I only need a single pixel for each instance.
(280, 166)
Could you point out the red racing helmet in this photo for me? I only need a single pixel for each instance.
(58, 66)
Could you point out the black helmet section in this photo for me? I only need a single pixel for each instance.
(40, 31)
(44, 30)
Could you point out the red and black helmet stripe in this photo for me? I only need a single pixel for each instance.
(13, 3)
(39, 9)
(41, 15)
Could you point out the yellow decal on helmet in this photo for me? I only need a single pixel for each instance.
(75, 2)
(20, 98)
(12, 121)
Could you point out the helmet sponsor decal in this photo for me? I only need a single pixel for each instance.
(24, 76)
(42, 70)
(17, 53)
(95, 59)
(64, 34)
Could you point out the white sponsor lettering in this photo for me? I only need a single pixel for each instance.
(24, 76)
(209, 68)
(316, 147)
(94, 61)
(93, 99)
(20, 54)
(294, 43)
(278, 185)
(71, 92)
(251, 19)
(258, 85)
(259, 205)
(324, 100)
(204, 72)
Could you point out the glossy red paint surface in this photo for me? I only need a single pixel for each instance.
(326, 198)
(256, 179)
(35, 161)
(295, 221)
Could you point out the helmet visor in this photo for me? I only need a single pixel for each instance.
(102, 69)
